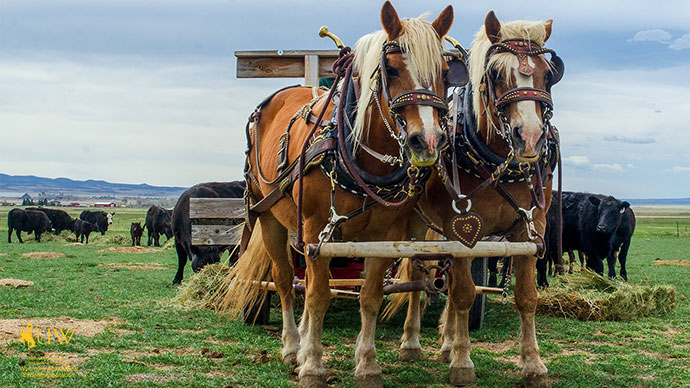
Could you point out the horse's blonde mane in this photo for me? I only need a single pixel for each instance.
(423, 56)
(530, 30)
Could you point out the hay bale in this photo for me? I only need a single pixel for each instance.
(200, 290)
(589, 296)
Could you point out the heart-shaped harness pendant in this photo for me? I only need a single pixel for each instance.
(465, 228)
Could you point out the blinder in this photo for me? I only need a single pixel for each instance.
(557, 70)
(457, 75)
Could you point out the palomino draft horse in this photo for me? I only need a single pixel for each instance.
(503, 140)
(380, 142)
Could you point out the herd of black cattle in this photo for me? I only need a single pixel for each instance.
(597, 226)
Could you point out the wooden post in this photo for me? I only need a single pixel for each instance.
(311, 70)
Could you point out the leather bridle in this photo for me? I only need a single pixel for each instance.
(523, 49)
(423, 97)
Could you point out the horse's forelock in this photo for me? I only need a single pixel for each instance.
(423, 54)
(520, 29)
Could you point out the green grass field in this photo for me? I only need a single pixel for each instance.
(149, 342)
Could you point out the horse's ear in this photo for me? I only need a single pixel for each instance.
(443, 22)
(390, 21)
(492, 27)
(547, 26)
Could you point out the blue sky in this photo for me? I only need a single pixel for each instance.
(145, 92)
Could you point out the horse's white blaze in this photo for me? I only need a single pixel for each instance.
(527, 111)
(426, 115)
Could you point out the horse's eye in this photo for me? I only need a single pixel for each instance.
(496, 76)
(392, 71)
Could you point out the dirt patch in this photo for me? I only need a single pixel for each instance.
(135, 266)
(16, 283)
(10, 329)
(135, 249)
(3, 254)
(43, 255)
(679, 263)
(152, 378)
(495, 347)
(73, 244)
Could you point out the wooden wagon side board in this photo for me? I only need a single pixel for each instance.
(216, 221)
(310, 64)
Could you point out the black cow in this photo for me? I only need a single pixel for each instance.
(590, 223)
(136, 231)
(158, 222)
(27, 221)
(621, 244)
(84, 228)
(182, 225)
(59, 218)
(101, 218)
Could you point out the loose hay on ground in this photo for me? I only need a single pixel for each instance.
(112, 239)
(135, 266)
(135, 249)
(680, 263)
(43, 255)
(588, 296)
(16, 283)
(200, 290)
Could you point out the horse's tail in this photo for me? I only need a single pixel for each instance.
(398, 300)
(241, 289)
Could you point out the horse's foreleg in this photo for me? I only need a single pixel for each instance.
(461, 294)
(317, 298)
(534, 373)
(410, 348)
(368, 371)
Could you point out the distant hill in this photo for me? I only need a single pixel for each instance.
(659, 201)
(34, 184)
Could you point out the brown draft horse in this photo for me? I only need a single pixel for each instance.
(416, 66)
(525, 126)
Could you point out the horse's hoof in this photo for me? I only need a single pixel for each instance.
(445, 356)
(369, 381)
(536, 380)
(312, 381)
(461, 376)
(410, 354)
(290, 359)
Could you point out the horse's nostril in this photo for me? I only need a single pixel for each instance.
(442, 139)
(518, 131)
(417, 143)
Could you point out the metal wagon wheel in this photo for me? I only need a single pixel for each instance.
(259, 314)
(479, 273)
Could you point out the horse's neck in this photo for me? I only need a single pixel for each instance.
(378, 139)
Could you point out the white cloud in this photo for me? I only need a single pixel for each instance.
(609, 167)
(681, 43)
(576, 160)
(654, 35)
(630, 165)
(680, 169)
